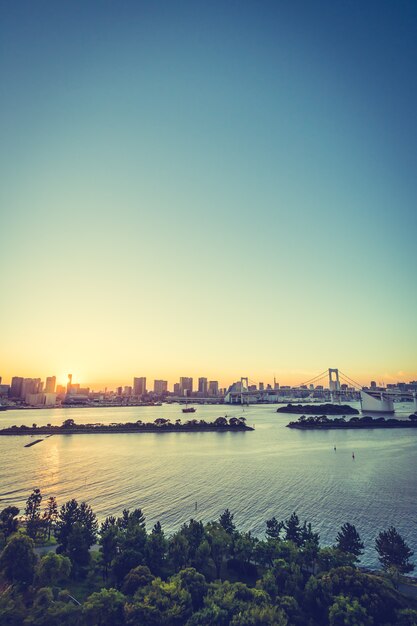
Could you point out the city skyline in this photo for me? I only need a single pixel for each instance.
(221, 189)
(147, 382)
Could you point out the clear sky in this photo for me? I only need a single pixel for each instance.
(208, 188)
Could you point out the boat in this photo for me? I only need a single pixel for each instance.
(188, 409)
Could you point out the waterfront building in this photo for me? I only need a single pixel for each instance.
(60, 390)
(213, 388)
(30, 386)
(139, 386)
(16, 387)
(261, 386)
(127, 391)
(176, 389)
(4, 390)
(160, 387)
(50, 384)
(186, 386)
(202, 387)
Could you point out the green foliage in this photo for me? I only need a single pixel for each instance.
(348, 540)
(406, 617)
(193, 582)
(226, 520)
(371, 592)
(18, 559)
(33, 514)
(273, 528)
(219, 542)
(50, 515)
(178, 550)
(346, 611)
(394, 553)
(70, 514)
(52, 569)
(105, 608)
(159, 581)
(161, 603)
(8, 521)
(137, 578)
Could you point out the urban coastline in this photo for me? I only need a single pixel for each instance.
(69, 427)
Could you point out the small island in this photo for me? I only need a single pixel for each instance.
(161, 425)
(319, 409)
(321, 422)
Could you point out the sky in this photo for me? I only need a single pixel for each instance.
(217, 189)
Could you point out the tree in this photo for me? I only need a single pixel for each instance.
(50, 514)
(137, 578)
(273, 528)
(109, 543)
(8, 521)
(178, 550)
(219, 542)
(33, 513)
(348, 540)
(226, 520)
(52, 569)
(78, 548)
(193, 582)
(161, 603)
(346, 611)
(394, 553)
(68, 423)
(18, 559)
(293, 529)
(156, 548)
(105, 608)
(130, 519)
(71, 513)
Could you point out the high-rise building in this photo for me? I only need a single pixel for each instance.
(160, 387)
(176, 389)
(50, 384)
(202, 386)
(16, 387)
(139, 386)
(373, 384)
(261, 386)
(213, 388)
(30, 386)
(127, 391)
(186, 386)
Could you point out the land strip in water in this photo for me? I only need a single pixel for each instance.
(69, 427)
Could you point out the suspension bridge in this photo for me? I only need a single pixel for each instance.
(330, 385)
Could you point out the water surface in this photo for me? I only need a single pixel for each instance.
(271, 471)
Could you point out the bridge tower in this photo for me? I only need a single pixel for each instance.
(334, 382)
(244, 388)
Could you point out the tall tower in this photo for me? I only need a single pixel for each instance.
(69, 383)
(334, 383)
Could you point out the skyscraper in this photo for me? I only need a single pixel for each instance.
(160, 387)
(214, 388)
(16, 387)
(139, 386)
(186, 386)
(50, 384)
(202, 386)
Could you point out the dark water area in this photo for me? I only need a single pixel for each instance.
(273, 470)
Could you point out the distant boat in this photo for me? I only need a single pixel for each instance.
(188, 409)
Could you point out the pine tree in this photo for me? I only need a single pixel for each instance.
(348, 540)
(394, 553)
(226, 520)
(273, 528)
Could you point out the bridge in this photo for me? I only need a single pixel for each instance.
(340, 387)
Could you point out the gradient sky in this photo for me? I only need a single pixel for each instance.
(208, 188)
